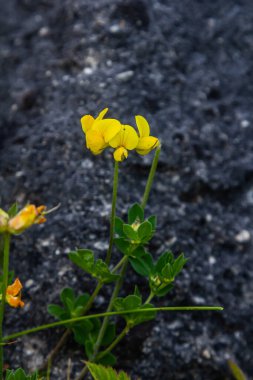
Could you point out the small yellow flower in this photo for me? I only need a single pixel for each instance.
(13, 294)
(28, 216)
(99, 131)
(126, 139)
(146, 142)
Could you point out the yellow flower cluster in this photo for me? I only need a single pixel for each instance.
(102, 133)
(28, 216)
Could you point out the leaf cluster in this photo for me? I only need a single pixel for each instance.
(85, 259)
(131, 302)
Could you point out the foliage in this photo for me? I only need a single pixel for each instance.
(100, 372)
(236, 371)
(19, 374)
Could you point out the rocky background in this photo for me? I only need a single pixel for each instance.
(187, 67)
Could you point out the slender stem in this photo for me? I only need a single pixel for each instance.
(120, 263)
(112, 222)
(106, 319)
(67, 333)
(150, 297)
(151, 177)
(110, 314)
(109, 308)
(114, 343)
(4, 288)
(48, 369)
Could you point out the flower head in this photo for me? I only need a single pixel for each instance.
(146, 142)
(13, 294)
(99, 131)
(126, 139)
(24, 219)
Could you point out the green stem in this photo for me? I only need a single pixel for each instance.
(109, 308)
(112, 222)
(150, 297)
(120, 263)
(151, 177)
(4, 288)
(109, 314)
(114, 343)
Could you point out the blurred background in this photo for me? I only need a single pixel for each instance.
(187, 67)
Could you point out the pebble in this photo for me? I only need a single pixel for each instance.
(125, 76)
(44, 31)
(212, 260)
(243, 236)
(245, 123)
(206, 354)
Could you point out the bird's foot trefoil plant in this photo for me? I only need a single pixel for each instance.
(98, 334)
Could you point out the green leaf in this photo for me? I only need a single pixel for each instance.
(119, 226)
(19, 374)
(161, 292)
(109, 335)
(135, 213)
(102, 272)
(142, 265)
(108, 359)
(131, 302)
(167, 272)
(138, 252)
(122, 245)
(83, 258)
(166, 257)
(89, 349)
(57, 311)
(179, 264)
(236, 371)
(81, 331)
(130, 232)
(145, 231)
(68, 297)
(153, 221)
(100, 372)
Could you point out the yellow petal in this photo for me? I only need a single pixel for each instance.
(95, 141)
(4, 217)
(23, 220)
(127, 138)
(14, 289)
(109, 128)
(146, 144)
(142, 125)
(86, 122)
(14, 301)
(120, 154)
(102, 114)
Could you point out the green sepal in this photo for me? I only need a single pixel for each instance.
(135, 214)
(13, 210)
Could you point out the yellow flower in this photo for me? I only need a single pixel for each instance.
(99, 131)
(28, 216)
(13, 294)
(146, 142)
(126, 139)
